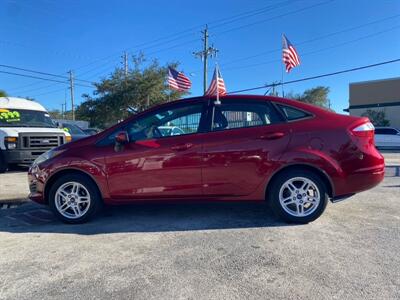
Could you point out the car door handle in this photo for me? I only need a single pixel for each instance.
(182, 147)
(272, 136)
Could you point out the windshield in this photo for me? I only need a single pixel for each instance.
(24, 118)
(73, 129)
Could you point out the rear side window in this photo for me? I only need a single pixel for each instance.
(292, 113)
(243, 113)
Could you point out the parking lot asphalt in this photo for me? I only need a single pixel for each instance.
(206, 251)
(14, 186)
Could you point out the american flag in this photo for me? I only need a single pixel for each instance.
(289, 54)
(178, 81)
(217, 85)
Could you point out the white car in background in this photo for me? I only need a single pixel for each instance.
(26, 132)
(387, 137)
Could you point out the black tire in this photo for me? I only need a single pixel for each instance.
(95, 204)
(280, 180)
(3, 164)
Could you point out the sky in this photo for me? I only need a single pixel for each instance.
(89, 37)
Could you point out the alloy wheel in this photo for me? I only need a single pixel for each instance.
(72, 200)
(299, 196)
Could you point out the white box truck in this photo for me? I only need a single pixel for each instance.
(26, 131)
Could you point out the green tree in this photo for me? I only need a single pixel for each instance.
(3, 93)
(119, 96)
(316, 96)
(57, 114)
(378, 118)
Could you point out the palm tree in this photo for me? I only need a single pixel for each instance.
(3, 93)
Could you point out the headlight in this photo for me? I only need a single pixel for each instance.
(10, 142)
(46, 156)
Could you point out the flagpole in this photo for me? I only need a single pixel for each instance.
(217, 102)
(282, 71)
(283, 90)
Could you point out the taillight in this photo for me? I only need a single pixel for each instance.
(364, 130)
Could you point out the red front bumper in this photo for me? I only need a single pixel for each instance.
(36, 186)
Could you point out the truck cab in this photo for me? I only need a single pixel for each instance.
(26, 131)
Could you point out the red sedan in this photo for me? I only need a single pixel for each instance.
(293, 155)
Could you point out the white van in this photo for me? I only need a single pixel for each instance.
(26, 131)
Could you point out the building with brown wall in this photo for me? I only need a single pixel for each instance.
(379, 95)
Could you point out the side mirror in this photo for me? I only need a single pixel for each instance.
(122, 138)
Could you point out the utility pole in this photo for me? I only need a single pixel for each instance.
(204, 54)
(65, 108)
(71, 86)
(125, 58)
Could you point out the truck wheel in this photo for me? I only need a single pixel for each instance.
(3, 164)
(74, 198)
(298, 196)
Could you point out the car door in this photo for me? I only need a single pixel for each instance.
(245, 138)
(152, 166)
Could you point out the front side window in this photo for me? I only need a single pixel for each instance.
(241, 114)
(166, 122)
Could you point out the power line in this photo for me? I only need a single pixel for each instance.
(35, 89)
(188, 32)
(224, 21)
(42, 78)
(319, 50)
(275, 17)
(41, 73)
(235, 19)
(46, 93)
(317, 76)
(313, 39)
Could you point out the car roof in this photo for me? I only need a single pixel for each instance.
(20, 103)
(287, 101)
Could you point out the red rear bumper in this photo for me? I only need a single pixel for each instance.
(360, 180)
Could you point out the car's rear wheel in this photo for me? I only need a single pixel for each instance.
(298, 196)
(74, 198)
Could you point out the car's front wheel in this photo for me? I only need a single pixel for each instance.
(298, 196)
(74, 198)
